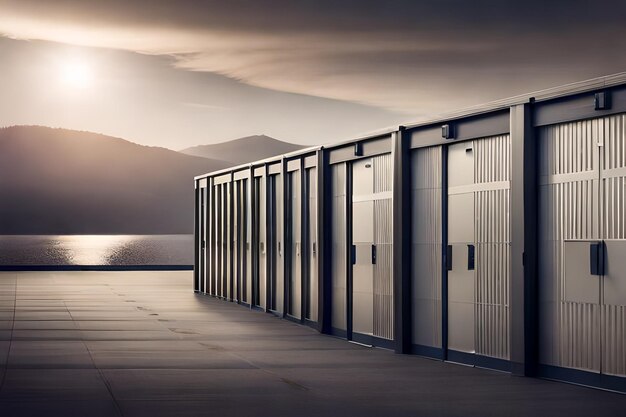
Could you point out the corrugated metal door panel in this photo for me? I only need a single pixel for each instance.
(339, 242)
(383, 173)
(426, 246)
(569, 173)
(613, 315)
(312, 244)
(479, 215)
(492, 165)
(295, 278)
(228, 242)
(461, 235)
(383, 283)
(363, 241)
(219, 240)
(280, 266)
(235, 253)
(246, 241)
(383, 242)
(263, 250)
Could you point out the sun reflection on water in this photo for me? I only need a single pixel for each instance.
(91, 249)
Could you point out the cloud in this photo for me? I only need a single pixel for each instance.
(399, 55)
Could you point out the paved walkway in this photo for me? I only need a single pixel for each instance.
(142, 344)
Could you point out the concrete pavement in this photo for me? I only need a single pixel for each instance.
(142, 344)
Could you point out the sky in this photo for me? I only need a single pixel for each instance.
(183, 73)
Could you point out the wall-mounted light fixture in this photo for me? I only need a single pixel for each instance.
(602, 100)
(447, 131)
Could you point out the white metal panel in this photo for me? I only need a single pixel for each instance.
(339, 245)
(280, 233)
(461, 230)
(363, 241)
(479, 215)
(312, 243)
(383, 241)
(262, 241)
(426, 246)
(235, 239)
(613, 166)
(569, 173)
(295, 262)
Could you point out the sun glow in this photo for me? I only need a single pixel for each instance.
(76, 74)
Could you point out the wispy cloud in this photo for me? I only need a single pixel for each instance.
(399, 55)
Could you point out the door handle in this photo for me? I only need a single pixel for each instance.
(449, 258)
(353, 254)
(596, 258)
(373, 254)
(470, 257)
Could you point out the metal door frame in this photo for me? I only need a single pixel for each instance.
(271, 237)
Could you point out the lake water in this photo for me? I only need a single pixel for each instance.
(96, 250)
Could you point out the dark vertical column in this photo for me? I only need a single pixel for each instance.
(349, 252)
(230, 234)
(401, 256)
(444, 252)
(196, 238)
(269, 241)
(304, 233)
(324, 242)
(245, 246)
(523, 288)
(254, 240)
(211, 222)
(202, 235)
(285, 237)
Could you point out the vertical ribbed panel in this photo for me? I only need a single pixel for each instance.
(383, 240)
(312, 246)
(614, 340)
(383, 173)
(614, 208)
(614, 149)
(280, 244)
(570, 331)
(263, 249)
(295, 241)
(338, 174)
(227, 241)
(613, 161)
(234, 224)
(246, 245)
(426, 246)
(218, 239)
(383, 283)
(492, 163)
(492, 273)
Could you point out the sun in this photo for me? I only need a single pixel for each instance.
(76, 74)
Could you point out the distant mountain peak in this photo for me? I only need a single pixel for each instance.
(244, 150)
(61, 181)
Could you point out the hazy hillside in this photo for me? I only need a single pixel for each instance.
(56, 181)
(243, 150)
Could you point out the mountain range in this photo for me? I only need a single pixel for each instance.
(59, 181)
(243, 150)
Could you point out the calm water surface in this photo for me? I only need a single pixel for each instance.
(96, 250)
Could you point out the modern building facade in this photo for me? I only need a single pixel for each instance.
(494, 237)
